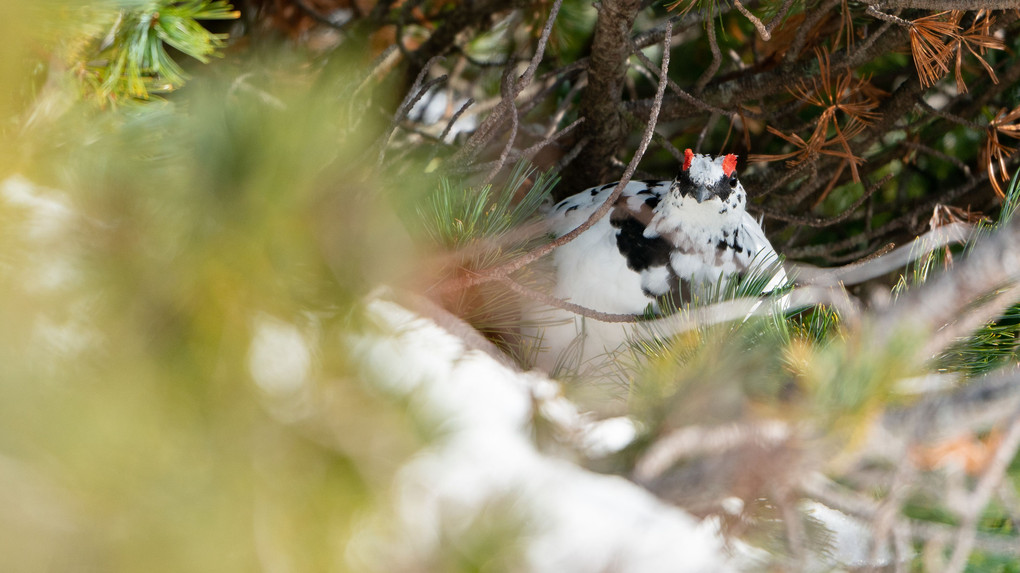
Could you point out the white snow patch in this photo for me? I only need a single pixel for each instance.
(609, 436)
(851, 538)
(279, 358)
(49, 209)
(573, 519)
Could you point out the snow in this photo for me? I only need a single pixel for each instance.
(572, 519)
(485, 466)
(851, 538)
(279, 358)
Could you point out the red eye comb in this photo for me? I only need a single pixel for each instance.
(688, 157)
(729, 164)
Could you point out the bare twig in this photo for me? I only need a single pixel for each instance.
(454, 118)
(528, 152)
(860, 272)
(761, 28)
(783, 11)
(417, 91)
(577, 309)
(691, 441)
(897, 223)
(464, 15)
(506, 150)
(571, 155)
(873, 11)
(936, 153)
(488, 128)
(952, 4)
(713, 67)
(816, 15)
(676, 89)
(835, 219)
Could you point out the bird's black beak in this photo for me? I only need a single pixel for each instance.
(701, 193)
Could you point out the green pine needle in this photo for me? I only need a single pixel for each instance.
(135, 63)
(456, 215)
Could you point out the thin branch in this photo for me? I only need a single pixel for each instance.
(454, 118)
(951, 117)
(514, 120)
(405, 108)
(874, 12)
(571, 155)
(897, 223)
(778, 19)
(488, 128)
(936, 153)
(555, 302)
(551, 138)
(676, 89)
(564, 106)
(464, 15)
(529, 72)
(713, 67)
(691, 441)
(835, 219)
(812, 19)
(952, 4)
(528, 152)
(860, 272)
(758, 25)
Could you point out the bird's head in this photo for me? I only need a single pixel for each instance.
(707, 179)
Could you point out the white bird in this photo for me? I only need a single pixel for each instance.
(675, 239)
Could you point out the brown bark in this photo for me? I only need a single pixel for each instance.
(604, 124)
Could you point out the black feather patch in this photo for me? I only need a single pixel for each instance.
(722, 189)
(640, 251)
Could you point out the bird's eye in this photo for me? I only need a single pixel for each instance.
(733, 181)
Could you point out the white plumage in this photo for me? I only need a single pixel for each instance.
(672, 239)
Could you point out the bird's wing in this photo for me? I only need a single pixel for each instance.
(761, 250)
(571, 212)
(618, 265)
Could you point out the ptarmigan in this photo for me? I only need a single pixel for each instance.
(662, 238)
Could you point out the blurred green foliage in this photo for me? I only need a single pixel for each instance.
(144, 254)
